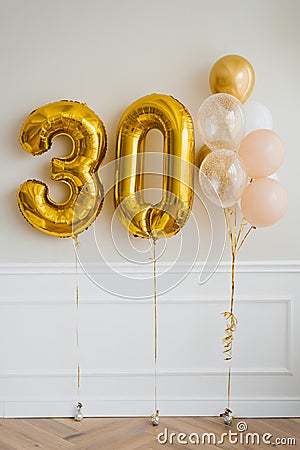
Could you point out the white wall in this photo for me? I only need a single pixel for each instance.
(108, 54)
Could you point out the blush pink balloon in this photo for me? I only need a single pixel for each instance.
(261, 153)
(264, 202)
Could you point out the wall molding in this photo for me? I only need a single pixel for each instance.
(145, 373)
(95, 268)
(143, 301)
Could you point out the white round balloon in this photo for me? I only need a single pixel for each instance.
(274, 176)
(257, 116)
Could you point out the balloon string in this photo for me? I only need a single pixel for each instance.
(228, 387)
(232, 280)
(229, 315)
(229, 231)
(237, 240)
(76, 242)
(245, 237)
(235, 234)
(155, 324)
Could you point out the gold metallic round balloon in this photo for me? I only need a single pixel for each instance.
(232, 74)
(168, 216)
(77, 170)
(203, 152)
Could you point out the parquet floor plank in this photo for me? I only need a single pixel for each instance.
(134, 433)
(50, 440)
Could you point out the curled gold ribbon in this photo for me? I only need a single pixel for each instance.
(229, 330)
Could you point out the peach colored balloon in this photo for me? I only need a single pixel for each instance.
(261, 153)
(264, 202)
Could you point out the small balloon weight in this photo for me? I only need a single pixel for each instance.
(264, 202)
(227, 417)
(261, 153)
(222, 178)
(78, 415)
(257, 116)
(155, 418)
(221, 122)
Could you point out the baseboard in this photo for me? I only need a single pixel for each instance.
(244, 407)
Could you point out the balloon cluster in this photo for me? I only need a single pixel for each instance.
(241, 150)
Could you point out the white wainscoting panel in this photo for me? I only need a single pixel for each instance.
(39, 357)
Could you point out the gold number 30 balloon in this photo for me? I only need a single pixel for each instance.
(88, 136)
(168, 216)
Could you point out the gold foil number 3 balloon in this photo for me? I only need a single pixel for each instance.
(168, 216)
(88, 136)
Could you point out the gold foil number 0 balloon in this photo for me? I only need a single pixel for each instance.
(88, 136)
(168, 216)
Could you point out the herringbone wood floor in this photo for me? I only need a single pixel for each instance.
(131, 433)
